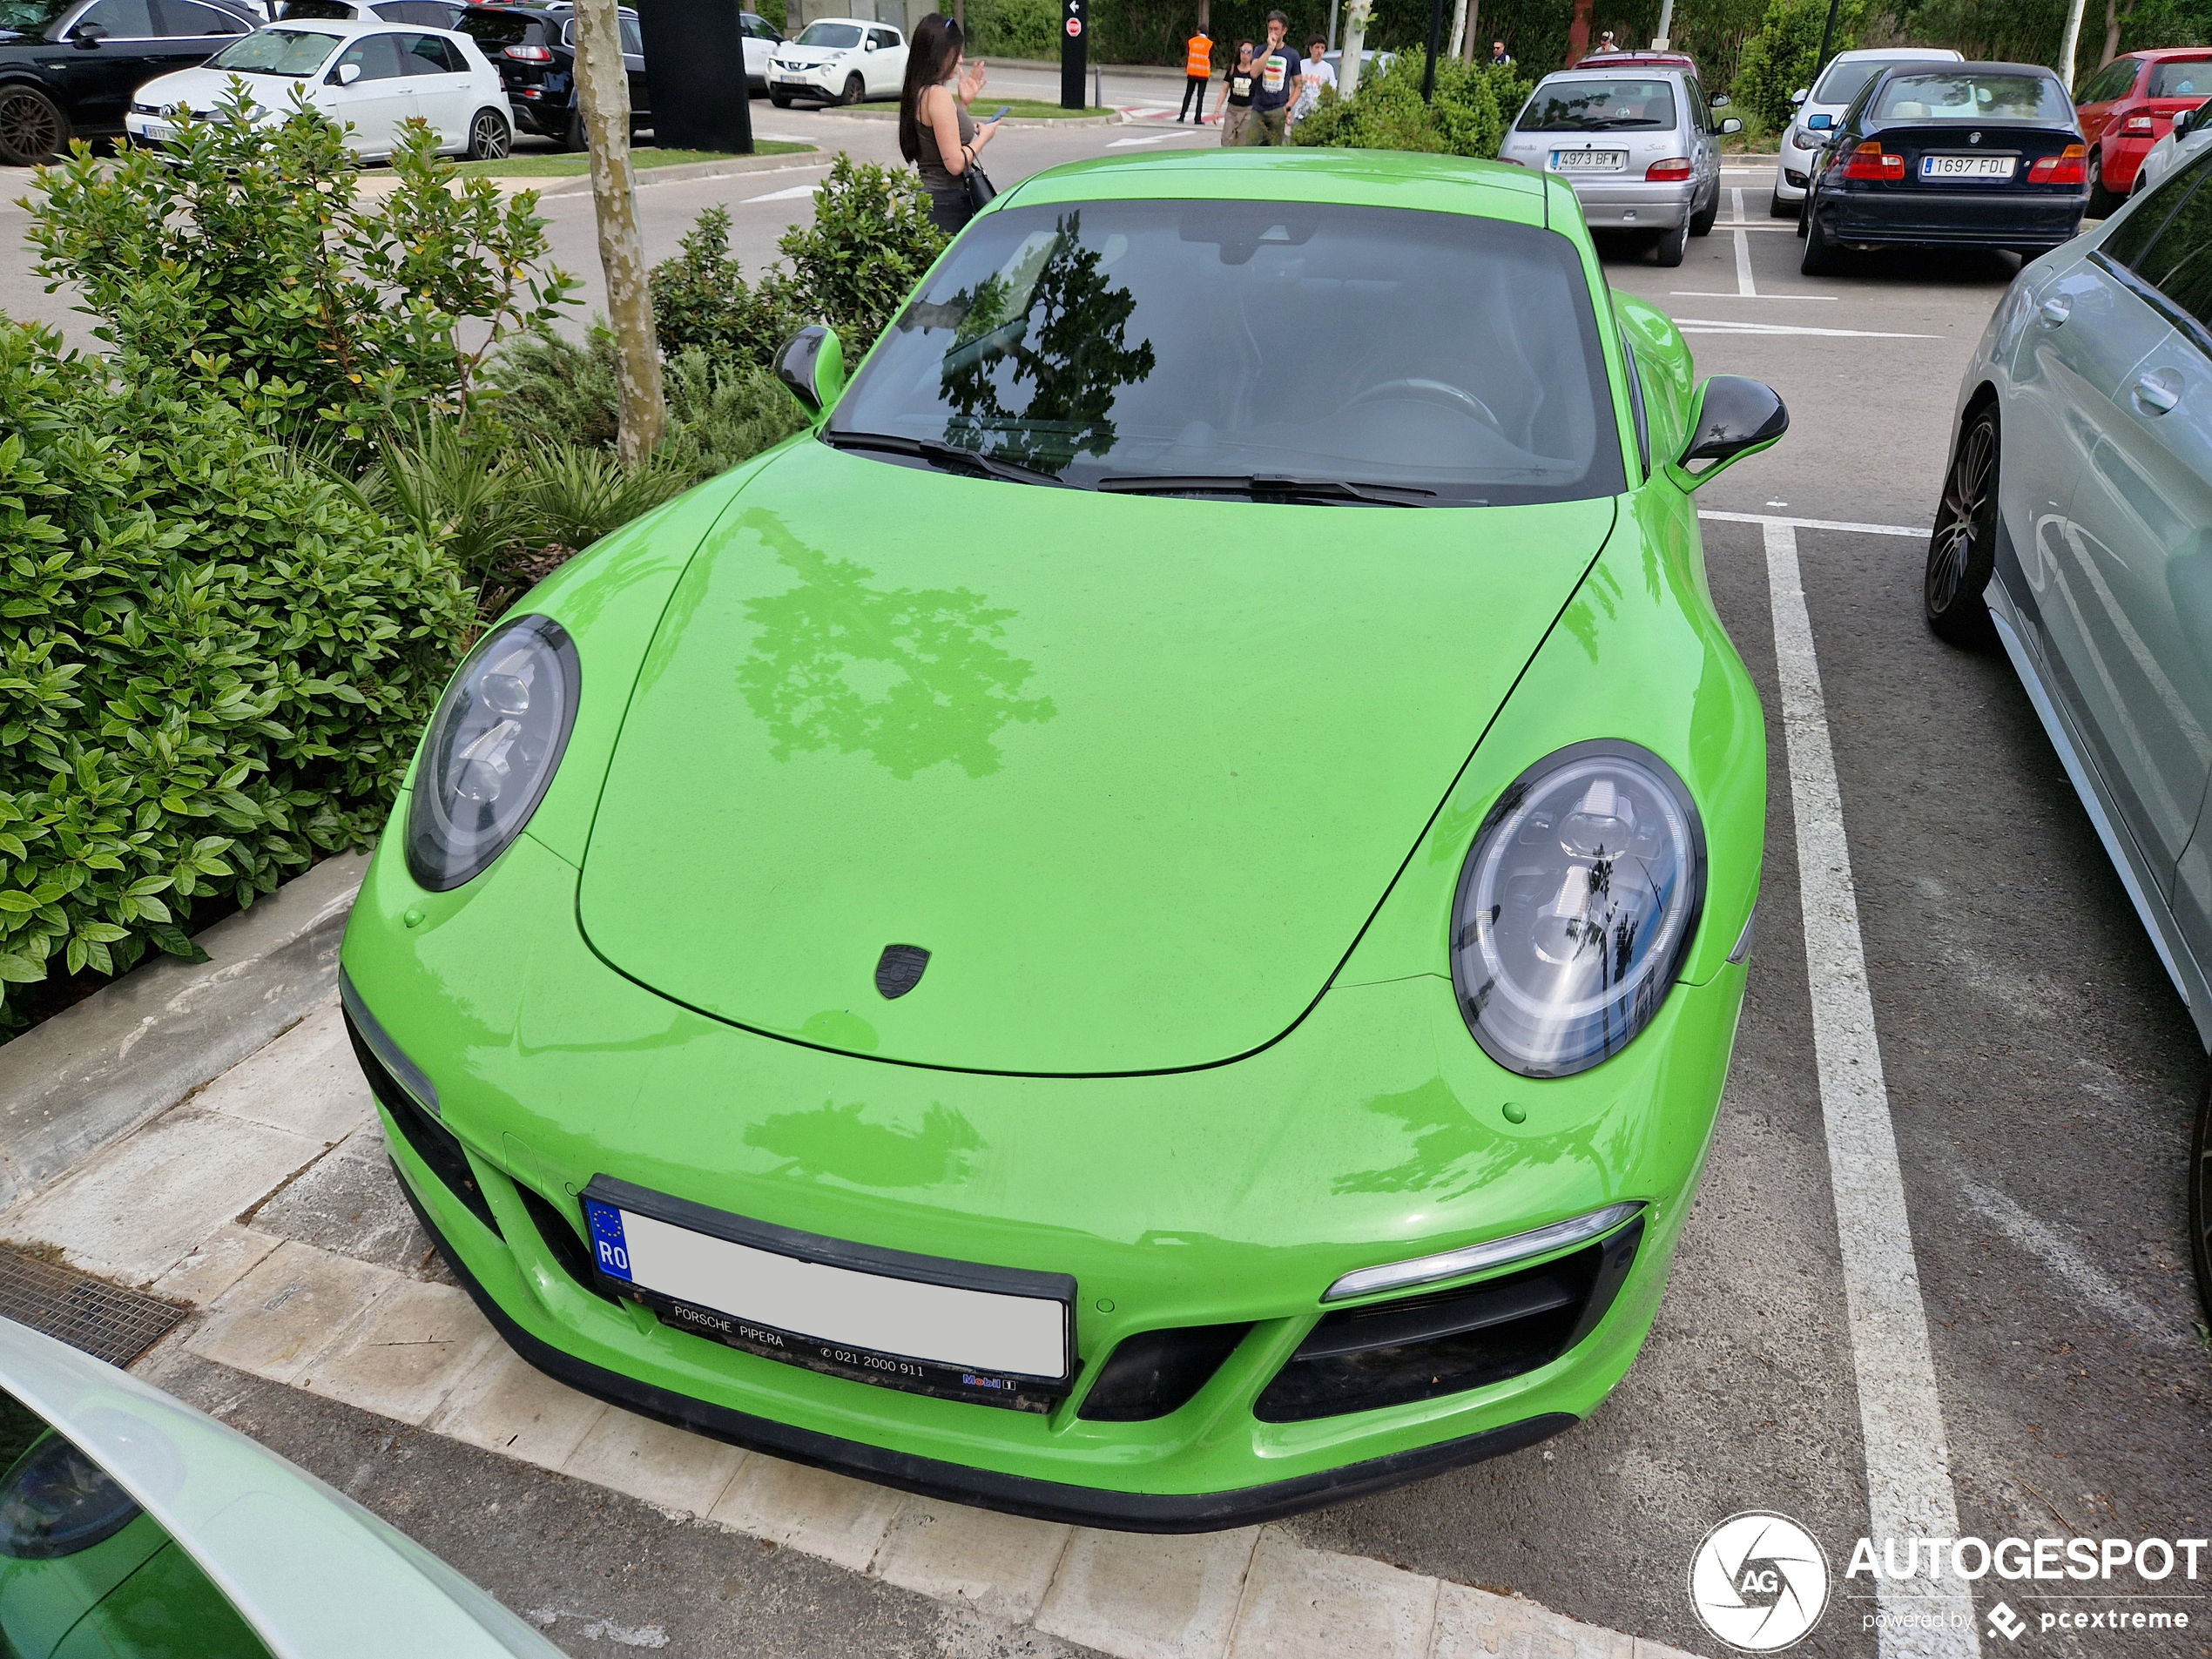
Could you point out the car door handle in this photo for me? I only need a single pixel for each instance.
(2157, 391)
(2057, 309)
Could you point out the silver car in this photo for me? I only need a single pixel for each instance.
(1637, 141)
(2076, 526)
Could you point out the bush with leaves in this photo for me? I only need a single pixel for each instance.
(216, 660)
(702, 302)
(1785, 53)
(244, 258)
(870, 243)
(1013, 28)
(1472, 103)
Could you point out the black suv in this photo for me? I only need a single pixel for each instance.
(68, 67)
(535, 49)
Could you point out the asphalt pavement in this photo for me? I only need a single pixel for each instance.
(1971, 992)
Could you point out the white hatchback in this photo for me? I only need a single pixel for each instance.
(839, 60)
(367, 77)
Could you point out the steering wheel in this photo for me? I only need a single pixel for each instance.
(1453, 397)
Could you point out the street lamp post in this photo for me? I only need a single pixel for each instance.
(1435, 45)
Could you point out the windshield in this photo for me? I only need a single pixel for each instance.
(1959, 96)
(1599, 106)
(1844, 82)
(837, 36)
(276, 51)
(30, 16)
(1194, 348)
(2189, 78)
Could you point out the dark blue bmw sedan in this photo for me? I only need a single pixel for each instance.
(1952, 155)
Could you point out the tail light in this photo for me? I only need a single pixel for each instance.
(2141, 124)
(528, 54)
(2068, 167)
(1673, 167)
(1868, 161)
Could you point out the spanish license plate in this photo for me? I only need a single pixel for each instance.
(1966, 166)
(1588, 160)
(155, 133)
(994, 1336)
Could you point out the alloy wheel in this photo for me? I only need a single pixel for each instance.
(489, 139)
(32, 128)
(1962, 551)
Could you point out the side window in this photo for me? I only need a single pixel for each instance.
(1698, 112)
(123, 19)
(428, 55)
(879, 38)
(2135, 240)
(2178, 259)
(2111, 81)
(187, 17)
(1635, 403)
(632, 42)
(378, 55)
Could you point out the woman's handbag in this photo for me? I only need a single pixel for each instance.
(980, 187)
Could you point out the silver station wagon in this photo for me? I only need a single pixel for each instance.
(1636, 139)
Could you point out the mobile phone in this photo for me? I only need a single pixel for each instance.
(1004, 109)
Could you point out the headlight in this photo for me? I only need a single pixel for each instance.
(1579, 899)
(491, 750)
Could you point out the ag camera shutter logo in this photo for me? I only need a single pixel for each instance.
(1759, 1582)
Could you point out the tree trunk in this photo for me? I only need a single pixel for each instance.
(1355, 35)
(2114, 16)
(2070, 42)
(602, 94)
(1474, 28)
(1458, 24)
(1204, 8)
(1578, 32)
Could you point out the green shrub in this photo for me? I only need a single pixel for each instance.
(1785, 53)
(244, 261)
(1013, 28)
(701, 301)
(215, 663)
(870, 243)
(1387, 113)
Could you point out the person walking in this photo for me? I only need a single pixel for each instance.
(1277, 83)
(935, 131)
(1312, 75)
(1198, 70)
(1235, 109)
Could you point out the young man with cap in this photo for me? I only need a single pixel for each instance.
(1278, 84)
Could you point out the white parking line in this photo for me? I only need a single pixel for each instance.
(1744, 284)
(1124, 144)
(1717, 326)
(1729, 293)
(791, 195)
(1908, 1464)
(1817, 525)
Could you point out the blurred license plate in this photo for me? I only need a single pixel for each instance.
(1965, 166)
(1588, 160)
(993, 1336)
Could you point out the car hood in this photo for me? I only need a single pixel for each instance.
(201, 90)
(1134, 771)
(792, 54)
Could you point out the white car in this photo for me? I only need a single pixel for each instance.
(2191, 132)
(839, 60)
(1821, 106)
(367, 77)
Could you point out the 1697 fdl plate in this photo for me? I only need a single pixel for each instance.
(994, 1336)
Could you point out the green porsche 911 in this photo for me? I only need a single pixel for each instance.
(1144, 924)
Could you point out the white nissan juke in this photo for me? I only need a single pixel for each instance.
(367, 77)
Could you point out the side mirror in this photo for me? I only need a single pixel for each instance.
(1800, 96)
(1734, 417)
(345, 74)
(812, 364)
(2182, 123)
(1719, 101)
(1819, 123)
(1731, 125)
(86, 36)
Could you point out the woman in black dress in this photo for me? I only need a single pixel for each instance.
(935, 131)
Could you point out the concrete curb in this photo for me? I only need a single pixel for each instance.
(581, 183)
(1041, 124)
(95, 1072)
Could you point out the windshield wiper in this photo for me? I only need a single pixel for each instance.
(944, 456)
(1266, 484)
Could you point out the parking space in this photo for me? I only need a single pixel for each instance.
(1937, 1282)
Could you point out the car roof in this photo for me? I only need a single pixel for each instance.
(1607, 71)
(1899, 55)
(1664, 60)
(1349, 177)
(2169, 54)
(345, 27)
(858, 23)
(1977, 66)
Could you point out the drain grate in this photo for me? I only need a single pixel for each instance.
(105, 1320)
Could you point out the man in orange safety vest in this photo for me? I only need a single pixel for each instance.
(1198, 70)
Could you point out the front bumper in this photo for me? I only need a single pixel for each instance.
(1633, 204)
(803, 83)
(1952, 218)
(1163, 1196)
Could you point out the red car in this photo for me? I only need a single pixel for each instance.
(2128, 105)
